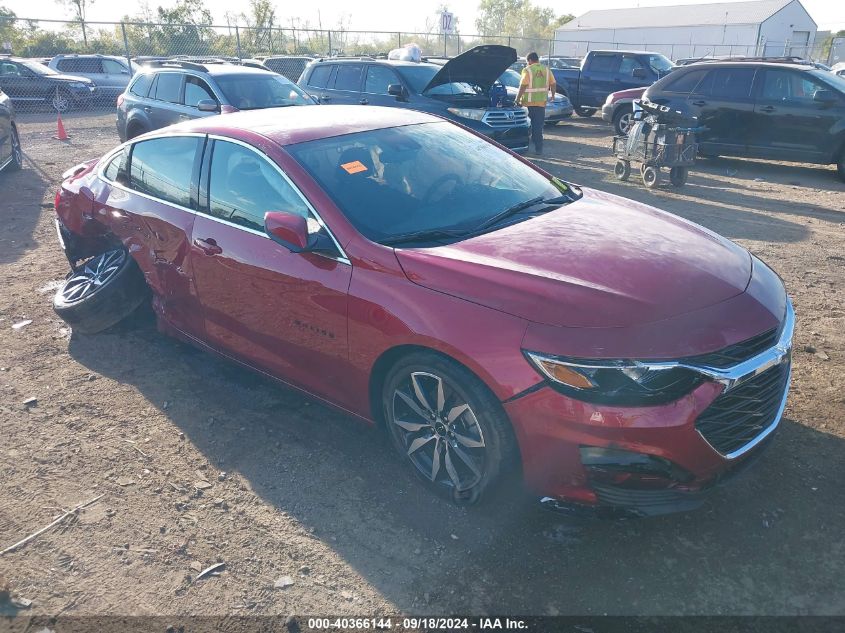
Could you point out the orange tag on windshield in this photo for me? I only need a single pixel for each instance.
(354, 167)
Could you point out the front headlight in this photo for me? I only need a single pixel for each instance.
(616, 382)
(476, 114)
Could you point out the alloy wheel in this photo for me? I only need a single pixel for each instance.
(96, 272)
(438, 430)
(61, 101)
(625, 122)
(17, 152)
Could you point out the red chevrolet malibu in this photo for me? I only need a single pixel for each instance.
(497, 322)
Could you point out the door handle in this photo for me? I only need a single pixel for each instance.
(208, 246)
(147, 109)
(767, 109)
(699, 103)
(363, 102)
(184, 117)
(325, 98)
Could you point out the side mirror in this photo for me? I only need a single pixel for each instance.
(288, 229)
(639, 73)
(396, 90)
(825, 97)
(207, 105)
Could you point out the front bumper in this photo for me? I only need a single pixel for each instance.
(553, 429)
(607, 111)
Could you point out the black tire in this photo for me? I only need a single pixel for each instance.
(622, 170)
(134, 129)
(17, 152)
(678, 176)
(651, 177)
(61, 100)
(91, 307)
(585, 112)
(623, 119)
(483, 422)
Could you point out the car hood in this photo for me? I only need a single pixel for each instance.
(630, 93)
(481, 65)
(602, 261)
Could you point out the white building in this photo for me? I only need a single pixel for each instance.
(758, 27)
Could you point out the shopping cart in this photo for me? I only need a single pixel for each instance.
(660, 137)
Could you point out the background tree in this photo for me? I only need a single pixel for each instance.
(79, 9)
(524, 24)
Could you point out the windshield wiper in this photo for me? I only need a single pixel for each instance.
(518, 208)
(420, 236)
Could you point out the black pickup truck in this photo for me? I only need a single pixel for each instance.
(603, 72)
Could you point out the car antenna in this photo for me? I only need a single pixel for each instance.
(703, 57)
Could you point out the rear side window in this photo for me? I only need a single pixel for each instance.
(163, 168)
(628, 64)
(727, 83)
(348, 77)
(116, 169)
(80, 65)
(685, 83)
(243, 186)
(320, 76)
(141, 85)
(112, 67)
(604, 63)
(196, 90)
(168, 86)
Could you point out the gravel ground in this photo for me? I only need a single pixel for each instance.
(201, 462)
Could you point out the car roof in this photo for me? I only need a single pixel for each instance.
(215, 70)
(299, 124)
(626, 51)
(740, 63)
(373, 60)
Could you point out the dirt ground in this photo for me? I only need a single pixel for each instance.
(202, 462)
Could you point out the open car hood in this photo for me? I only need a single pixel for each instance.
(481, 66)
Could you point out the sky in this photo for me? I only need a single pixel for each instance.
(388, 16)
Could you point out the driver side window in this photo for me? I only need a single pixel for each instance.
(243, 186)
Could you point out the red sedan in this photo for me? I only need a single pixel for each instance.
(497, 322)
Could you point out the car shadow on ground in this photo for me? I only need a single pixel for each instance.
(19, 220)
(769, 543)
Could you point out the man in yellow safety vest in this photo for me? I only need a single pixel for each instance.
(534, 88)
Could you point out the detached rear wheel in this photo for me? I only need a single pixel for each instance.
(447, 427)
(101, 293)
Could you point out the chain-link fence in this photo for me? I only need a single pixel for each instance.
(61, 45)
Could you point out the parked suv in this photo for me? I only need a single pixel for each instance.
(169, 91)
(779, 111)
(111, 74)
(27, 81)
(457, 90)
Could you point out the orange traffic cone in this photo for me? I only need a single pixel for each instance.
(61, 135)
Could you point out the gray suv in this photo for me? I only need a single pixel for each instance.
(165, 92)
(111, 74)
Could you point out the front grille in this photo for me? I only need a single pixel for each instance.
(503, 118)
(741, 414)
(736, 353)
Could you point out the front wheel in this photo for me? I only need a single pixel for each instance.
(102, 292)
(447, 427)
(17, 152)
(585, 112)
(61, 101)
(623, 119)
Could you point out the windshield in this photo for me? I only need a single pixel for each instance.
(660, 64)
(837, 82)
(39, 69)
(261, 90)
(510, 78)
(420, 178)
(419, 76)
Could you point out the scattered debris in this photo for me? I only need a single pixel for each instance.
(196, 566)
(809, 349)
(283, 582)
(21, 324)
(202, 485)
(822, 355)
(73, 510)
(125, 481)
(211, 571)
(21, 603)
(30, 402)
(454, 537)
